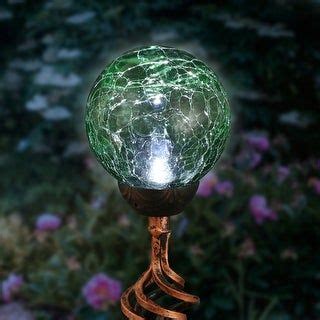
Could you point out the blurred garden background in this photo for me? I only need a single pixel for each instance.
(248, 244)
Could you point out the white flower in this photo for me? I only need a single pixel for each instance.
(27, 65)
(295, 118)
(263, 29)
(274, 31)
(53, 54)
(50, 77)
(75, 148)
(80, 18)
(27, 45)
(5, 14)
(12, 80)
(250, 95)
(48, 39)
(23, 145)
(164, 35)
(68, 53)
(37, 103)
(50, 55)
(15, 1)
(56, 113)
(56, 4)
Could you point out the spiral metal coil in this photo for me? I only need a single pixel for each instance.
(158, 284)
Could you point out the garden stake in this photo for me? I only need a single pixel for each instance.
(139, 299)
(157, 119)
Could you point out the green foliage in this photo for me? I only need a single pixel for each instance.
(233, 280)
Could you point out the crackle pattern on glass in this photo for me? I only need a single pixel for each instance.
(157, 117)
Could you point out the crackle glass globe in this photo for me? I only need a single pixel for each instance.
(157, 118)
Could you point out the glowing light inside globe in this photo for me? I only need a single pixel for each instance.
(157, 117)
(160, 172)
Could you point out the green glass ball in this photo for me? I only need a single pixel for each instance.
(157, 118)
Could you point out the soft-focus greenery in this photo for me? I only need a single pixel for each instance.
(267, 54)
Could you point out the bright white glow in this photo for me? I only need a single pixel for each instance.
(157, 100)
(159, 171)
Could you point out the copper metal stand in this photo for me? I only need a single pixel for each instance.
(159, 282)
(158, 294)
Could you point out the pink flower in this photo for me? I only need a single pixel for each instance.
(47, 222)
(89, 163)
(259, 209)
(224, 188)
(206, 186)
(283, 173)
(98, 202)
(11, 286)
(101, 290)
(315, 183)
(248, 158)
(255, 159)
(259, 142)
